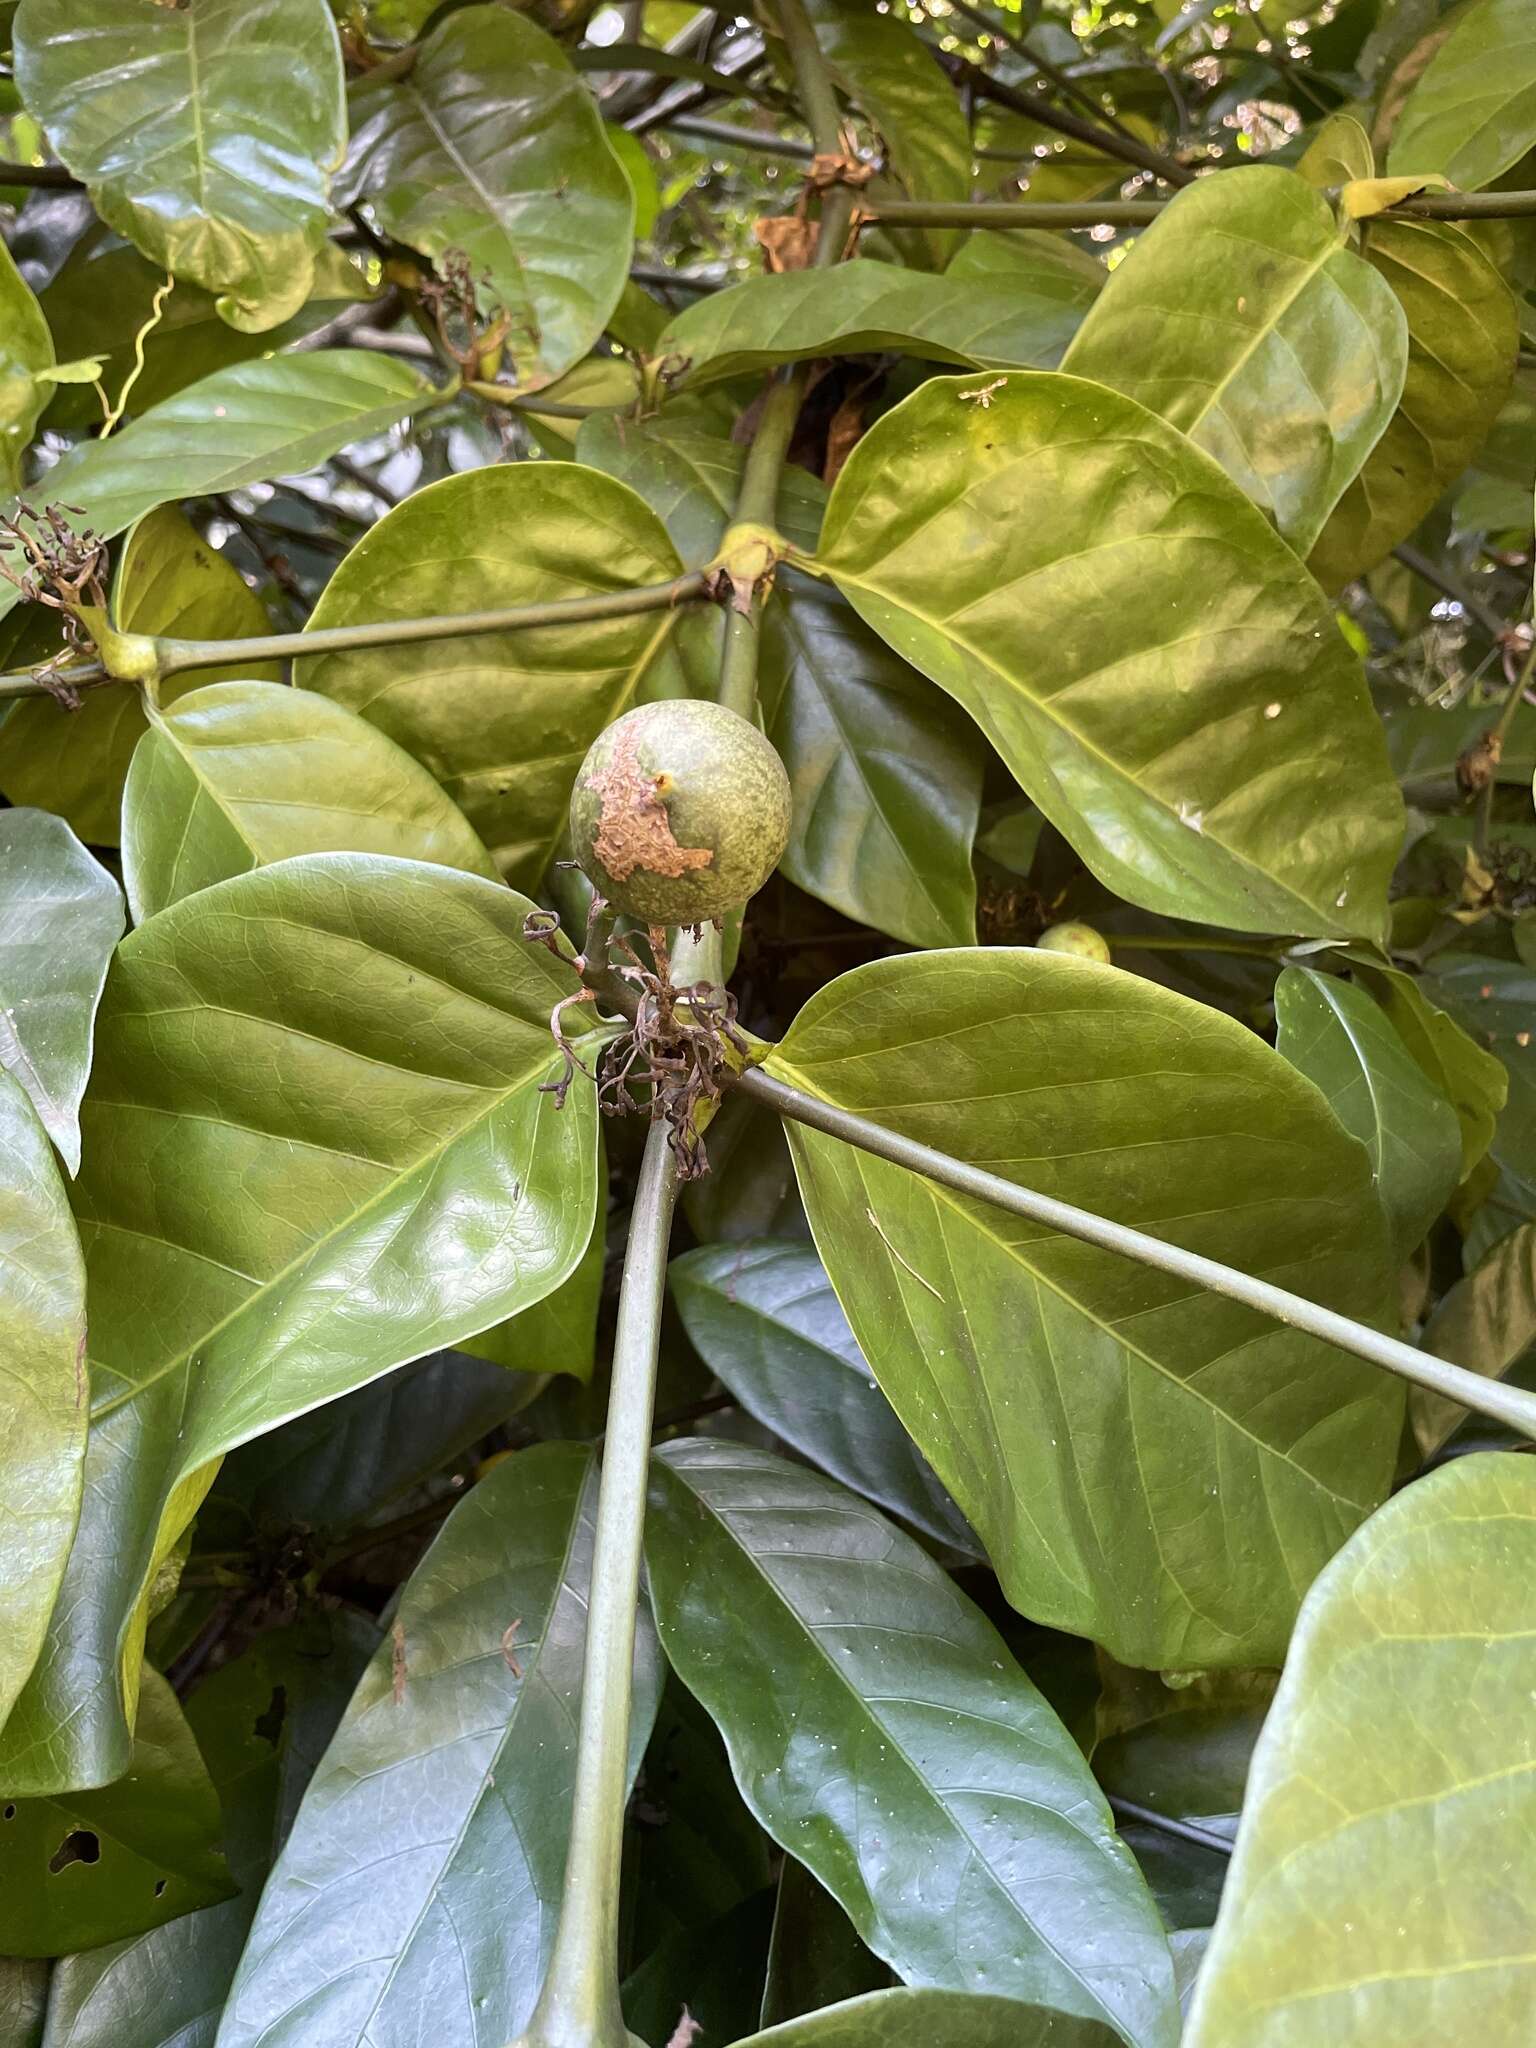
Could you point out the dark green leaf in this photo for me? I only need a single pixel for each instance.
(1462, 339)
(42, 1384)
(1495, 1003)
(936, 2019)
(239, 775)
(502, 721)
(1457, 1067)
(90, 1867)
(416, 1897)
(26, 347)
(1486, 1322)
(885, 775)
(1144, 651)
(262, 1723)
(886, 70)
(1010, 320)
(61, 914)
(273, 417)
(205, 154)
(765, 1321)
(345, 1463)
(1426, 741)
(1375, 1889)
(316, 1148)
(815, 1958)
(750, 1189)
(879, 1731)
(1155, 1467)
(1472, 113)
(169, 581)
(23, 2000)
(1244, 320)
(1333, 1033)
(492, 146)
(714, 1973)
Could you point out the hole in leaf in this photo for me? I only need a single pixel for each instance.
(10, 1812)
(80, 1845)
(268, 1724)
(160, 1884)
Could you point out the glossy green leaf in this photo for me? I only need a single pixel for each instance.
(1333, 1033)
(169, 581)
(239, 775)
(416, 1897)
(559, 1333)
(898, 84)
(1462, 339)
(1145, 652)
(1486, 1322)
(880, 1732)
(885, 775)
(23, 2000)
(1472, 113)
(42, 1385)
(194, 147)
(262, 1723)
(1457, 1067)
(1243, 319)
(502, 721)
(26, 348)
(276, 416)
(1495, 1002)
(1157, 1468)
(316, 1148)
(85, 1868)
(1377, 1887)
(1016, 320)
(61, 914)
(1029, 260)
(765, 1321)
(345, 1463)
(936, 2019)
(492, 146)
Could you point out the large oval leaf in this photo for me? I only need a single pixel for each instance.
(417, 1896)
(935, 2019)
(169, 581)
(1144, 651)
(240, 775)
(274, 417)
(1378, 1887)
(205, 133)
(316, 1147)
(1473, 112)
(879, 1730)
(1244, 320)
(503, 720)
(1014, 321)
(492, 146)
(61, 914)
(885, 774)
(42, 1386)
(1157, 1468)
(261, 1723)
(85, 1868)
(763, 1317)
(1333, 1033)
(1463, 334)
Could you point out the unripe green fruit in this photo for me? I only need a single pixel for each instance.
(1080, 939)
(680, 812)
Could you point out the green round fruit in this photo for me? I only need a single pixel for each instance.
(1080, 939)
(680, 812)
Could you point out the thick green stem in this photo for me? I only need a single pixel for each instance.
(579, 2004)
(1488, 1397)
(178, 657)
(1126, 213)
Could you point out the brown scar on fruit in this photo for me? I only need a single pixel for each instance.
(633, 829)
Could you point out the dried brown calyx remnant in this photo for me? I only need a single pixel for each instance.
(633, 829)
